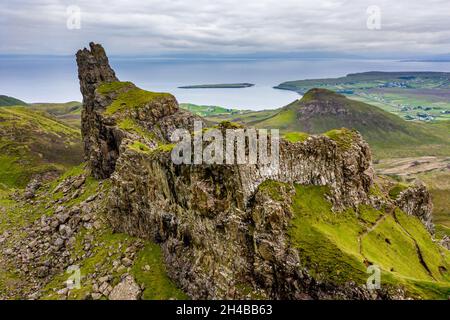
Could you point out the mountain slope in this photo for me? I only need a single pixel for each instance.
(34, 143)
(6, 101)
(68, 112)
(321, 110)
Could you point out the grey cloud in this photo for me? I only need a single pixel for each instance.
(226, 26)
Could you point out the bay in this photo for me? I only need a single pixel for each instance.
(54, 79)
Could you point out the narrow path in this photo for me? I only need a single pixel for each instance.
(379, 220)
(370, 229)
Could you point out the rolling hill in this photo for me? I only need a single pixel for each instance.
(6, 101)
(321, 110)
(34, 143)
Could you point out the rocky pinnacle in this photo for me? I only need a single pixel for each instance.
(100, 145)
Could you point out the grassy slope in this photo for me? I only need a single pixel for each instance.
(6, 101)
(386, 133)
(67, 112)
(33, 142)
(435, 173)
(329, 247)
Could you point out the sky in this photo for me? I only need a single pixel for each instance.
(157, 27)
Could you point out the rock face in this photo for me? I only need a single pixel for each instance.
(416, 201)
(222, 236)
(100, 144)
(101, 136)
(127, 289)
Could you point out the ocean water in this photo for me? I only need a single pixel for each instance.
(54, 79)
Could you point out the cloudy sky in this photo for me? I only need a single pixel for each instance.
(146, 27)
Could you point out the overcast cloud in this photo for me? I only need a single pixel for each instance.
(226, 26)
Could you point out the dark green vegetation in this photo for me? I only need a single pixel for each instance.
(6, 101)
(322, 110)
(338, 246)
(34, 143)
(412, 95)
(219, 86)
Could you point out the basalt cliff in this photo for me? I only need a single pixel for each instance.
(315, 228)
(223, 228)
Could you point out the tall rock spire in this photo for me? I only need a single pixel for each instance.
(93, 69)
(100, 143)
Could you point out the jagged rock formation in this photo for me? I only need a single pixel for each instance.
(101, 137)
(222, 234)
(416, 201)
(100, 146)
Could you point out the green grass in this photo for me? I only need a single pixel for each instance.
(438, 183)
(157, 284)
(132, 98)
(108, 87)
(106, 242)
(139, 147)
(296, 136)
(328, 245)
(430, 252)
(281, 120)
(16, 214)
(395, 191)
(273, 189)
(131, 125)
(33, 142)
(207, 111)
(343, 137)
(143, 148)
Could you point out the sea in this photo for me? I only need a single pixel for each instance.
(54, 79)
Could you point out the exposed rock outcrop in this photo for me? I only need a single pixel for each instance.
(222, 236)
(127, 289)
(202, 214)
(100, 143)
(416, 200)
(101, 136)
